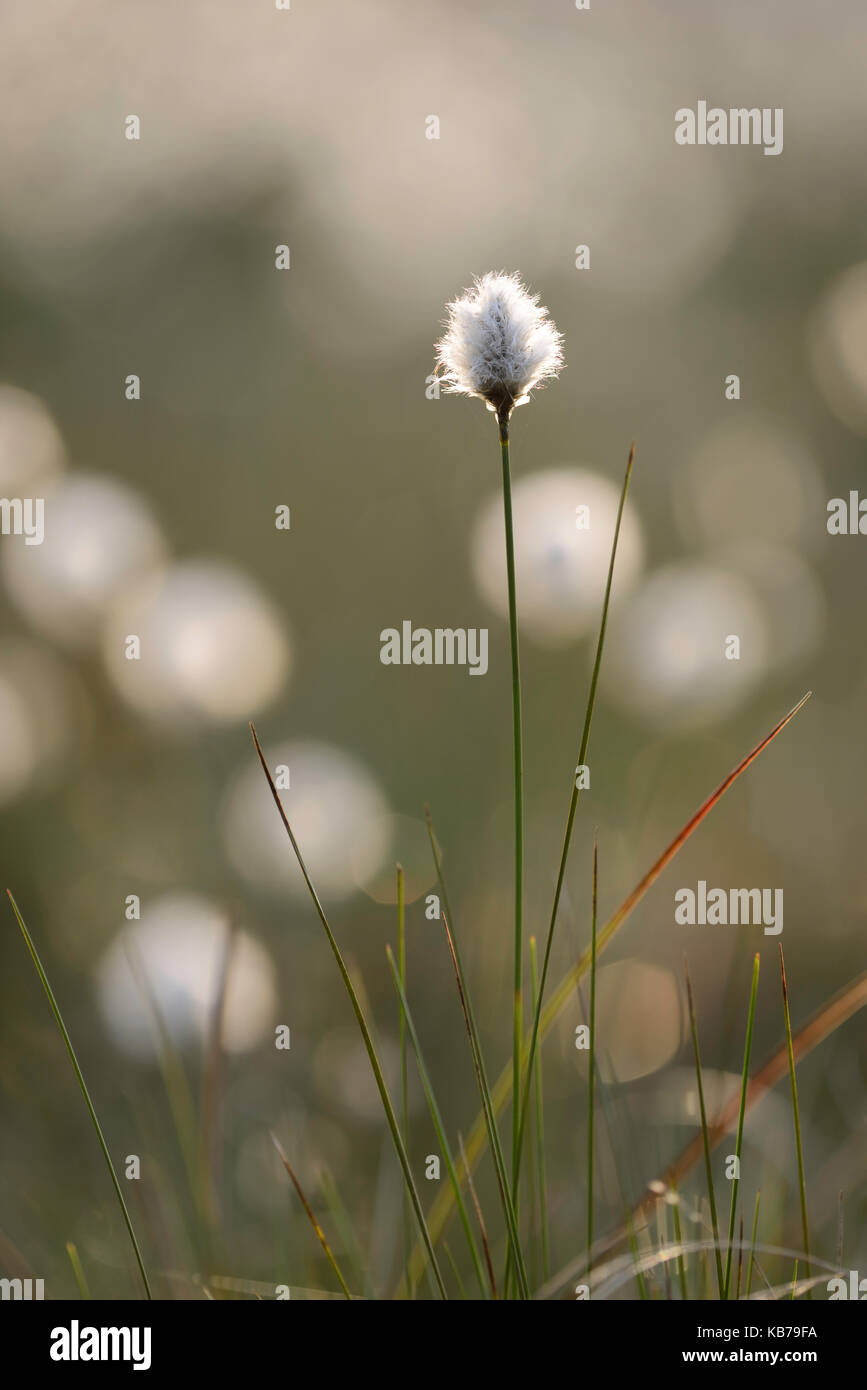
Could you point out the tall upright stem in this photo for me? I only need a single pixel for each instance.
(503, 420)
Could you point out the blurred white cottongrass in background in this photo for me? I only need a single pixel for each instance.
(32, 454)
(342, 1074)
(338, 813)
(638, 1019)
(560, 569)
(213, 646)
(179, 948)
(790, 593)
(99, 535)
(665, 658)
(639, 1025)
(45, 716)
(837, 344)
(750, 475)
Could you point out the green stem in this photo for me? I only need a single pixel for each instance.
(58, 1017)
(376, 1066)
(488, 1116)
(705, 1137)
(437, 1119)
(517, 738)
(573, 806)
(743, 1105)
(540, 1130)
(77, 1269)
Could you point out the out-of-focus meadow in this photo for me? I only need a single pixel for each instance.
(308, 388)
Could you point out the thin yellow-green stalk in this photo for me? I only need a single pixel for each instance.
(77, 1269)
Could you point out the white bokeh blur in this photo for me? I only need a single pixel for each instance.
(45, 716)
(560, 569)
(173, 958)
(750, 475)
(213, 646)
(837, 344)
(32, 454)
(665, 656)
(99, 536)
(339, 815)
(638, 1019)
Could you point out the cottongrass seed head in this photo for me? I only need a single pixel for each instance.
(499, 343)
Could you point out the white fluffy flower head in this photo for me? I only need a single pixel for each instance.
(499, 343)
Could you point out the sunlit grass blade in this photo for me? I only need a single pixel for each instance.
(615, 1274)
(751, 1018)
(502, 1088)
(455, 1271)
(488, 1120)
(802, 1185)
(540, 1130)
(583, 747)
(704, 1128)
(486, 1246)
(794, 1281)
(320, 1234)
(84, 1091)
(591, 1077)
(753, 1244)
(436, 1117)
(77, 1269)
(501, 1091)
(831, 1016)
(582, 965)
(740, 1259)
(376, 1066)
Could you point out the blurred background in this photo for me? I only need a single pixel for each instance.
(308, 388)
